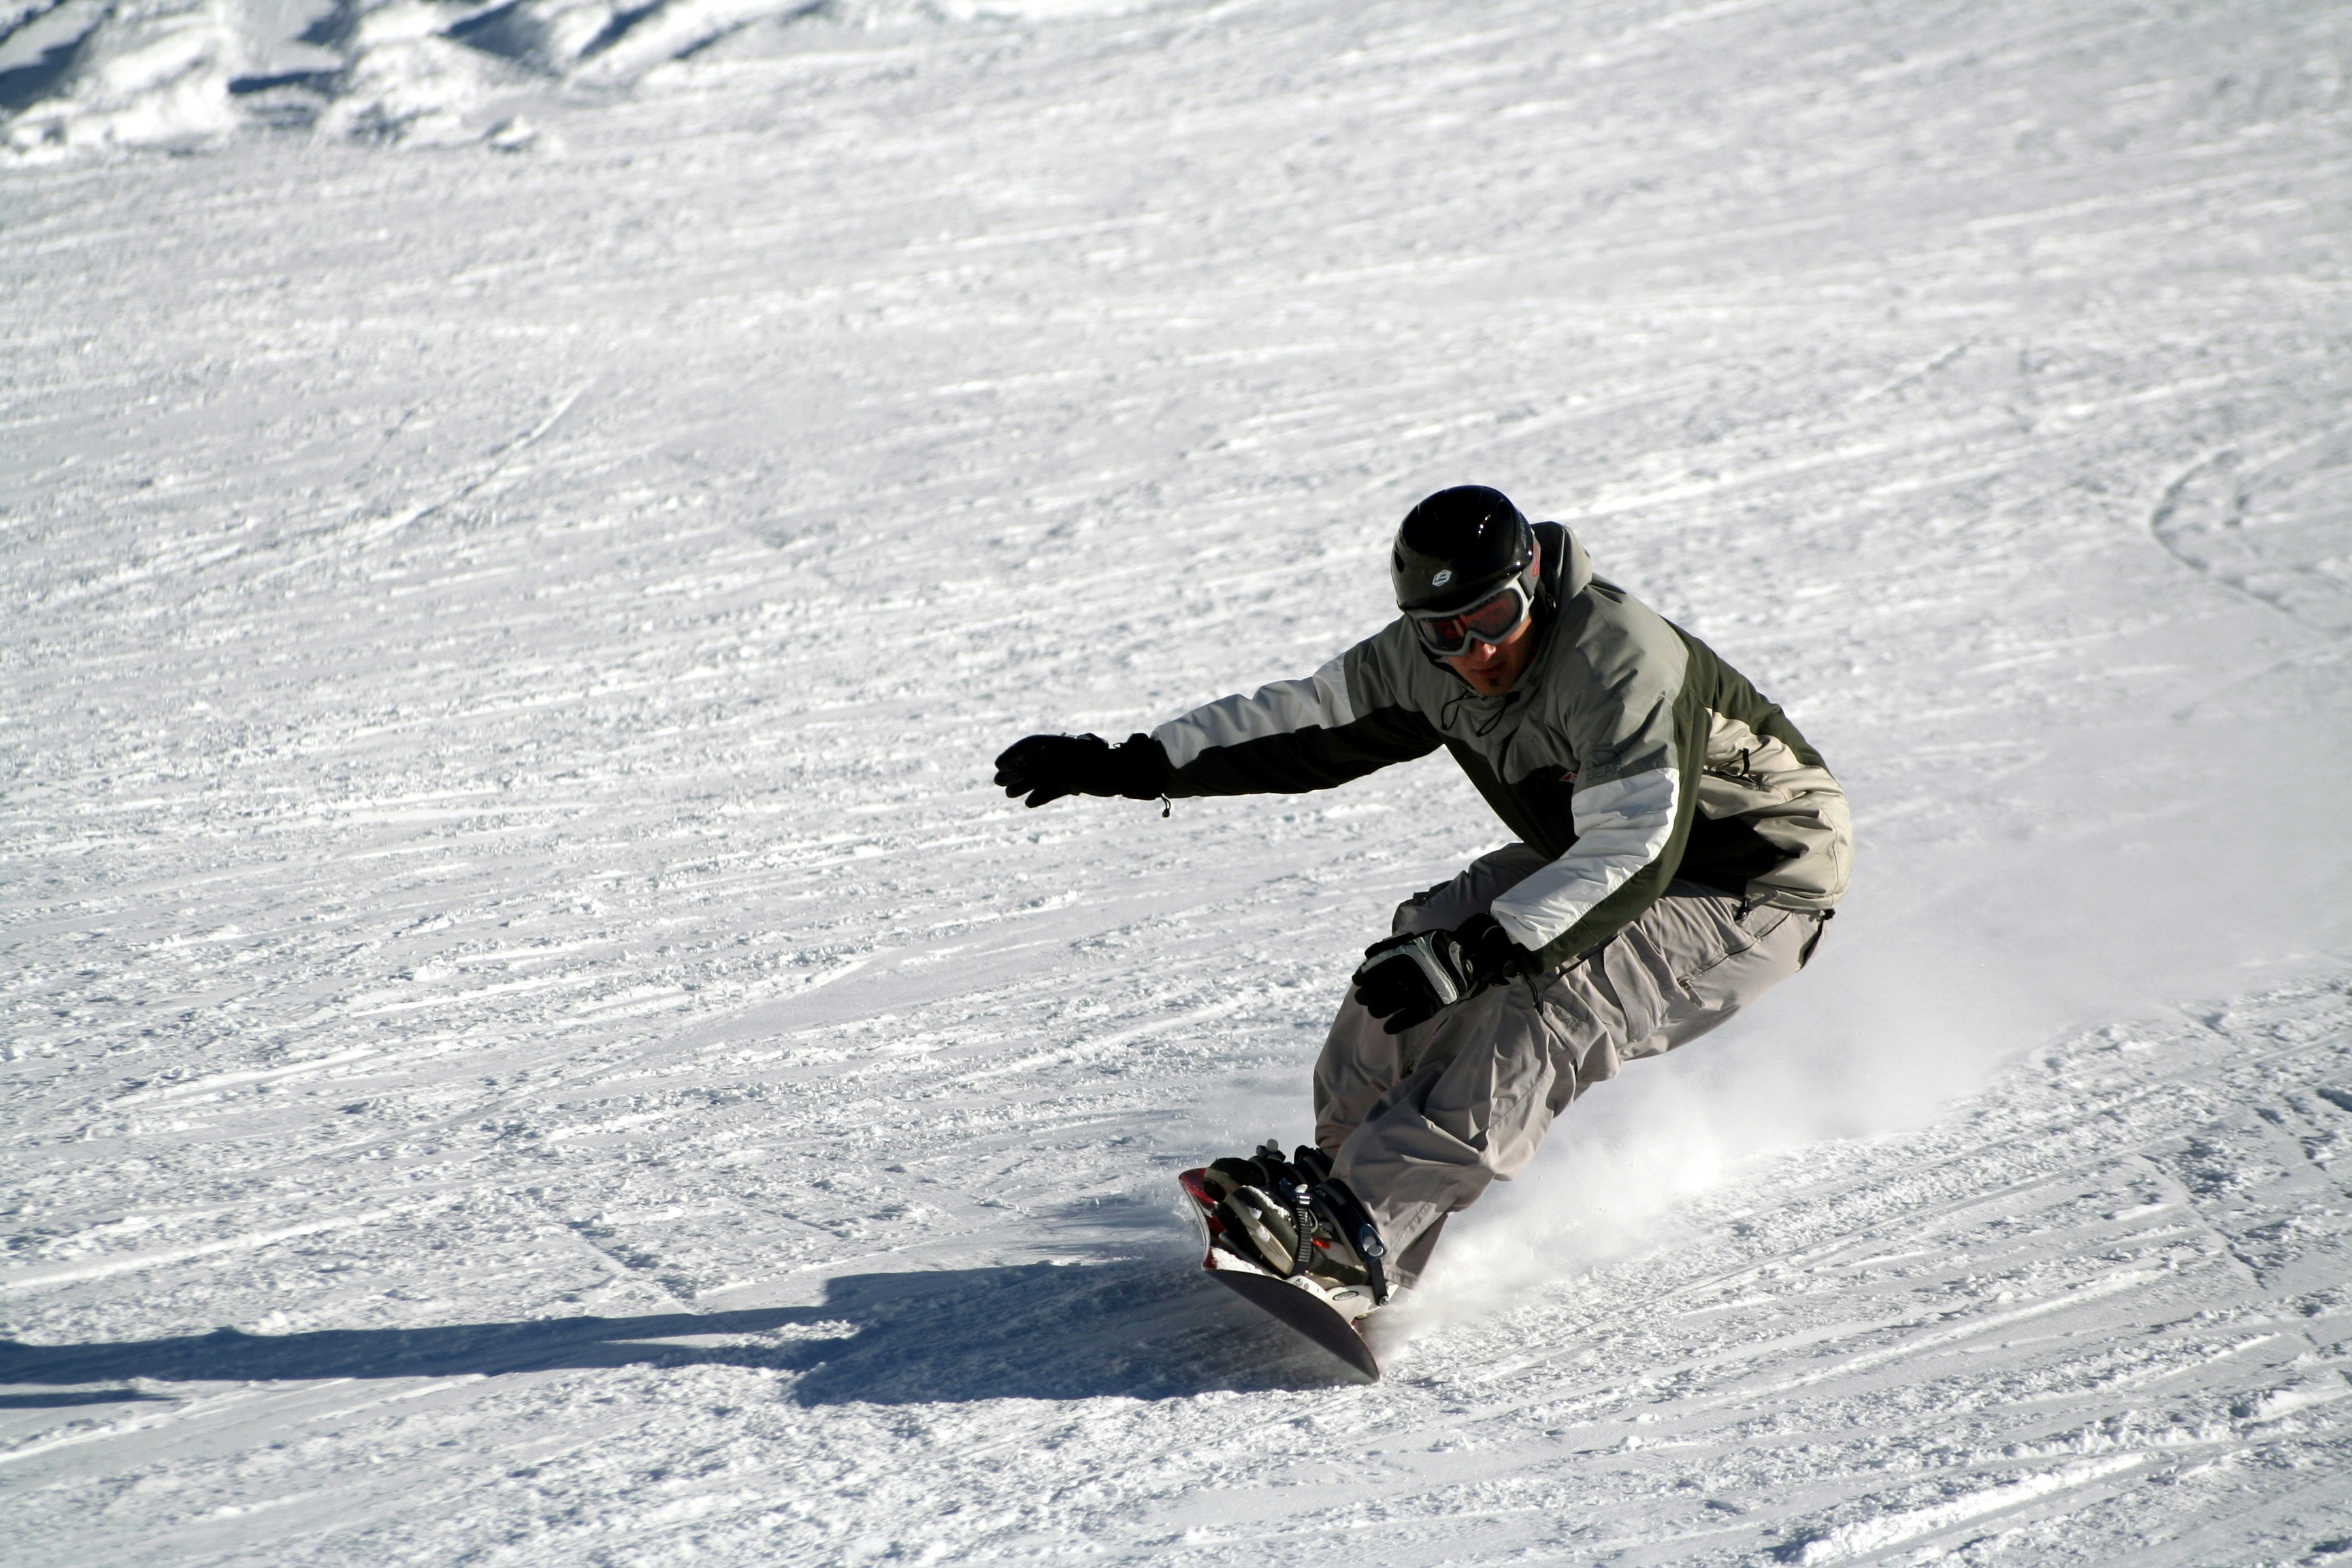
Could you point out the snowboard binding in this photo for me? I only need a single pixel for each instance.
(1294, 1219)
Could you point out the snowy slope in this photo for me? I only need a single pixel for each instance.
(530, 1040)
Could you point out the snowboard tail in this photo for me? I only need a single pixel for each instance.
(1326, 1318)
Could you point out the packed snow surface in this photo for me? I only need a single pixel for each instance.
(529, 1039)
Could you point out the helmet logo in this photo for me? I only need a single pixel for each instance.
(1442, 578)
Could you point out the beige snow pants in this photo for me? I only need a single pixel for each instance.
(1418, 1123)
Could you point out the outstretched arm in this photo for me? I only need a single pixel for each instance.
(1282, 739)
(1293, 735)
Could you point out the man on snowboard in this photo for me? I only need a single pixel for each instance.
(1679, 849)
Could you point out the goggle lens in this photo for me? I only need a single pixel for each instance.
(1490, 620)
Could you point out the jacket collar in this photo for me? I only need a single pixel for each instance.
(1567, 569)
(1566, 573)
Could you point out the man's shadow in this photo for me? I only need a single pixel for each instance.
(1143, 1328)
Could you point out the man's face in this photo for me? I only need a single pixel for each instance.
(1493, 669)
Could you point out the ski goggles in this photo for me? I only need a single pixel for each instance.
(1491, 620)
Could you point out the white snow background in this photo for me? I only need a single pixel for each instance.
(531, 1039)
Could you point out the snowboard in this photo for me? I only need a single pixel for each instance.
(1329, 1317)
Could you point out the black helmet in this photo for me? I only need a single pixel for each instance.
(1457, 546)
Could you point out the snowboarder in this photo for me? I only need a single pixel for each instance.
(1679, 849)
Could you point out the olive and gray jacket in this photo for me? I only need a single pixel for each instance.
(1629, 753)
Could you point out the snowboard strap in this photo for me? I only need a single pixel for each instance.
(1302, 1222)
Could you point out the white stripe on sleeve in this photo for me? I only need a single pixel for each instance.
(1621, 827)
(1284, 707)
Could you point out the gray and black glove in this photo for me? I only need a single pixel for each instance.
(1405, 979)
(1047, 767)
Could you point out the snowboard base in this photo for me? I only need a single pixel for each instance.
(1299, 1304)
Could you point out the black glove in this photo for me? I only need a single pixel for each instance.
(1406, 980)
(1047, 767)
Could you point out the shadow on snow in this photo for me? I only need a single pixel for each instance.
(1142, 1329)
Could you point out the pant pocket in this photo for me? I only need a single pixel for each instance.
(1748, 928)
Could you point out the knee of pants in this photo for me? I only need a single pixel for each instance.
(1410, 916)
(1497, 1087)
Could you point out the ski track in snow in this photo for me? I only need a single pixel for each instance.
(527, 1040)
